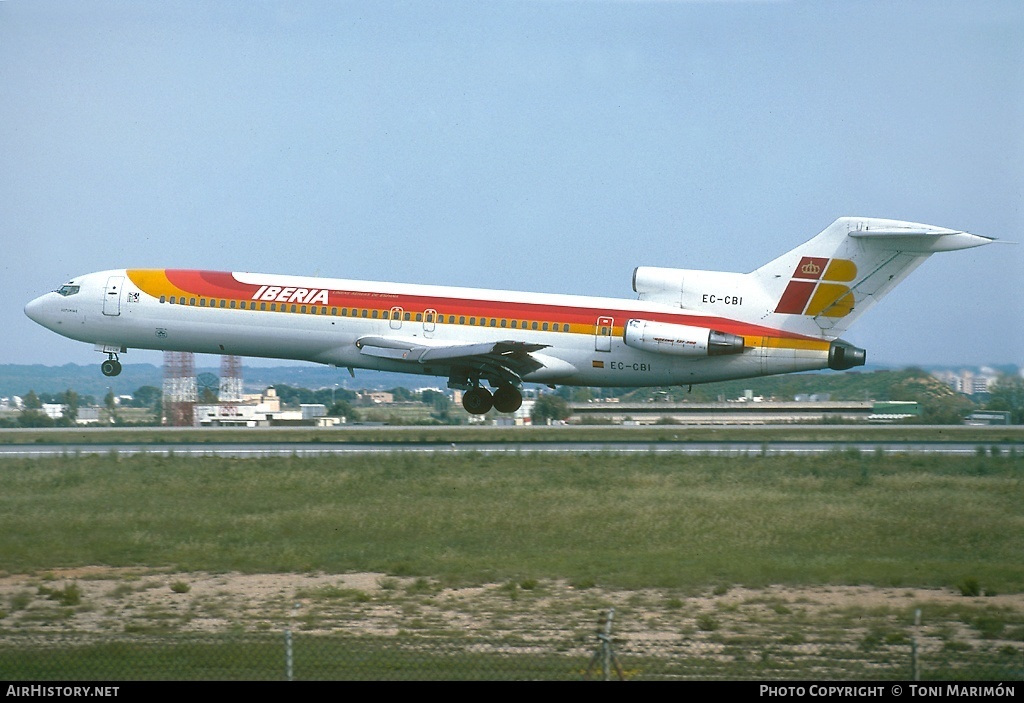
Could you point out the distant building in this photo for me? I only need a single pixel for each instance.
(53, 410)
(378, 397)
(89, 415)
(262, 410)
(967, 381)
(267, 399)
(988, 417)
(311, 411)
(894, 411)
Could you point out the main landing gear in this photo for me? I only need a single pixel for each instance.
(506, 399)
(111, 367)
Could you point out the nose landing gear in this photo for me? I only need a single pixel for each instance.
(111, 367)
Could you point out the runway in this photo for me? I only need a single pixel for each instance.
(315, 449)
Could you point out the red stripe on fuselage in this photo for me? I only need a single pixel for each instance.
(218, 284)
(211, 284)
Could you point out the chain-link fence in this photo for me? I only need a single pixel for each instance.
(335, 656)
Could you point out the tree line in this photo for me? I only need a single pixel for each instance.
(939, 403)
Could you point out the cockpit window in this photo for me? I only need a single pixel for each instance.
(68, 290)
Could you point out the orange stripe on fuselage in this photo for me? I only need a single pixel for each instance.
(217, 285)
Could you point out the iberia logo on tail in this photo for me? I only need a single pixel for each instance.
(815, 288)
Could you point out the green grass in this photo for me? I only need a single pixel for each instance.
(1008, 438)
(641, 521)
(260, 657)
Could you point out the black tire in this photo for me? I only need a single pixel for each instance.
(477, 401)
(110, 367)
(507, 399)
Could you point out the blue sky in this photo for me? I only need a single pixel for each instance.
(535, 145)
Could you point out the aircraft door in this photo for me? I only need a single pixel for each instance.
(396, 318)
(112, 295)
(603, 334)
(429, 322)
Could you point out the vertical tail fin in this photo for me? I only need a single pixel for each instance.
(821, 287)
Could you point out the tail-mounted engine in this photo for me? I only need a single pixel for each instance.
(843, 355)
(680, 340)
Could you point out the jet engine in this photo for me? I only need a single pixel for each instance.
(843, 355)
(680, 340)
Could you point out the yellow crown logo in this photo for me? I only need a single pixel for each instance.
(810, 268)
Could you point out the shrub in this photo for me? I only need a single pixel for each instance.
(970, 588)
(71, 594)
(707, 622)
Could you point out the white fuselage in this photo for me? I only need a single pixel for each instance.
(580, 339)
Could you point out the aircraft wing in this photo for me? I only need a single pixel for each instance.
(505, 360)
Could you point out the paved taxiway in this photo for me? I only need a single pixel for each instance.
(245, 450)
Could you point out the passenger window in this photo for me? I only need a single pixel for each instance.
(334, 311)
(233, 303)
(534, 326)
(419, 317)
(163, 299)
(191, 301)
(545, 327)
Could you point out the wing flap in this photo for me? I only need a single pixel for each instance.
(416, 350)
(506, 359)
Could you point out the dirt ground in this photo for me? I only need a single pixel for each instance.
(103, 600)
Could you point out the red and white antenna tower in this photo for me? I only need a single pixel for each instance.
(230, 379)
(179, 388)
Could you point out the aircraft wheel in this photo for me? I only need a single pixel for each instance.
(477, 401)
(110, 367)
(507, 399)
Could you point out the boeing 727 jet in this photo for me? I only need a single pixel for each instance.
(685, 326)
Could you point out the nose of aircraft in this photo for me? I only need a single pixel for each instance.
(36, 310)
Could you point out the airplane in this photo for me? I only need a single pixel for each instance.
(685, 327)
